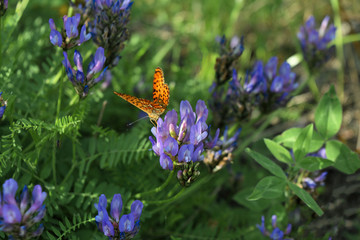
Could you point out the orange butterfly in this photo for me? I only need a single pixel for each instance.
(160, 101)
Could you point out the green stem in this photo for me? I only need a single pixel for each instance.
(158, 189)
(74, 164)
(166, 200)
(58, 107)
(33, 175)
(310, 81)
(255, 134)
(339, 47)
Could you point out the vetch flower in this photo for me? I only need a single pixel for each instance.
(180, 146)
(114, 227)
(219, 152)
(19, 218)
(82, 82)
(229, 54)
(276, 233)
(70, 36)
(314, 42)
(266, 87)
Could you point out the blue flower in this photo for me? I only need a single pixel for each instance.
(18, 217)
(115, 227)
(69, 36)
(82, 82)
(314, 43)
(2, 106)
(276, 233)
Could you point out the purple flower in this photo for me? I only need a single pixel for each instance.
(19, 217)
(107, 23)
(81, 82)
(181, 145)
(189, 134)
(116, 207)
(314, 42)
(116, 226)
(219, 152)
(126, 223)
(70, 37)
(276, 233)
(316, 179)
(229, 54)
(2, 106)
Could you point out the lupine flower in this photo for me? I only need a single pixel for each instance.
(108, 25)
(220, 153)
(314, 43)
(2, 106)
(3, 7)
(82, 82)
(181, 146)
(276, 233)
(229, 53)
(114, 226)
(71, 35)
(19, 217)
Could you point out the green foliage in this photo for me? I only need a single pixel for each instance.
(328, 115)
(77, 150)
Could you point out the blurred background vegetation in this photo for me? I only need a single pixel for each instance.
(178, 36)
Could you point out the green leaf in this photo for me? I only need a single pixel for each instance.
(266, 163)
(306, 198)
(288, 138)
(302, 143)
(268, 188)
(314, 163)
(257, 206)
(346, 160)
(278, 151)
(328, 114)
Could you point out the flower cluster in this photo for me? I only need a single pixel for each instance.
(69, 36)
(114, 227)
(229, 53)
(265, 88)
(2, 106)
(108, 25)
(221, 154)
(82, 82)
(314, 43)
(180, 146)
(3, 7)
(268, 87)
(17, 218)
(276, 233)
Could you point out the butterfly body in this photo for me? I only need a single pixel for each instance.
(160, 101)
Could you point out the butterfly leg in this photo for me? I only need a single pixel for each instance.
(153, 122)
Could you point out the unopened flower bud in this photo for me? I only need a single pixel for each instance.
(172, 131)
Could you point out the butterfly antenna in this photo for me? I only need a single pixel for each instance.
(129, 124)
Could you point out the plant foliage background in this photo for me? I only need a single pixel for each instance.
(89, 149)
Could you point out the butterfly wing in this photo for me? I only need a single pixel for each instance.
(143, 104)
(161, 91)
